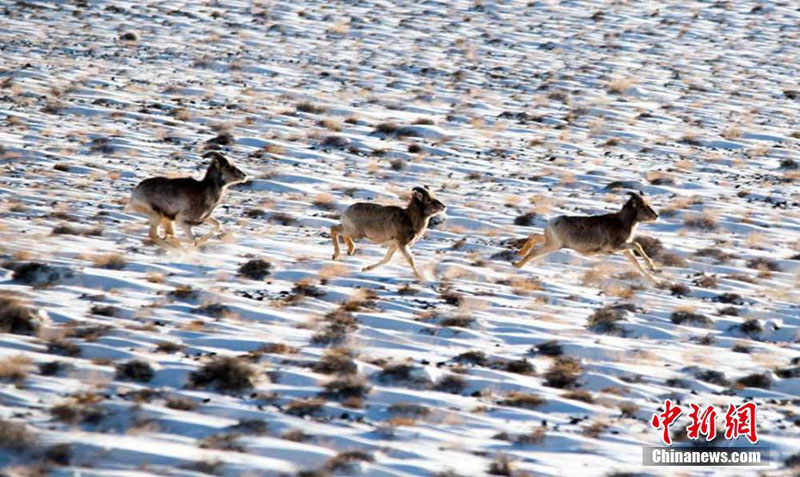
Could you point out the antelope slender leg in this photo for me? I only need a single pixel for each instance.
(644, 256)
(155, 221)
(389, 253)
(632, 258)
(410, 259)
(537, 253)
(187, 230)
(528, 244)
(168, 227)
(351, 246)
(217, 227)
(169, 233)
(335, 231)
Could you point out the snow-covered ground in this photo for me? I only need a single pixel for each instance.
(512, 113)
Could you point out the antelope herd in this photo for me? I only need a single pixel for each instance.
(190, 202)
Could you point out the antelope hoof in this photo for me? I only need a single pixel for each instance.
(517, 264)
(366, 269)
(335, 256)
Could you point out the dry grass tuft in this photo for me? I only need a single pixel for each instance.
(296, 435)
(523, 400)
(450, 383)
(682, 316)
(337, 361)
(180, 403)
(274, 149)
(304, 407)
(549, 348)
(534, 437)
(311, 108)
(476, 358)
(111, 261)
(346, 387)
(606, 319)
(256, 269)
(15, 368)
(595, 429)
(705, 222)
(457, 322)
(135, 370)
(278, 348)
(332, 124)
(324, 201)
(620, 85)
(502, 465)
(182, 114)
(224, 374)
(183, 292)
(763, 381)
(412, 410)
(386, 128)
(169, 347)
(226, 442)
(579, 395)
(16, 437)
(63, 347)
(764, 264)
(337, 326)
(16, 317)
(344, 462)
(36, 274)
(563, 373)
(80, 409)
(519, 366)
(402, 373)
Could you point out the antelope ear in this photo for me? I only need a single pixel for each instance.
(422, 192)
(215, 157)
(634, 195)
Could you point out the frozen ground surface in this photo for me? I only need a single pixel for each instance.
(512, 113)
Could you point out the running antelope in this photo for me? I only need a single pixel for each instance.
(595, 234)
(399, 227)
(185, 200)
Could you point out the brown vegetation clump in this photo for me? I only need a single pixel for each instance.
(256, 269)
(563, 373)
(16, 317)
(337, 361)
(15, 368)
(346, 387)
(344, 462)
(336, 328)
(16, 437)
(225, 374)
(523, 400)
(135, 370)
